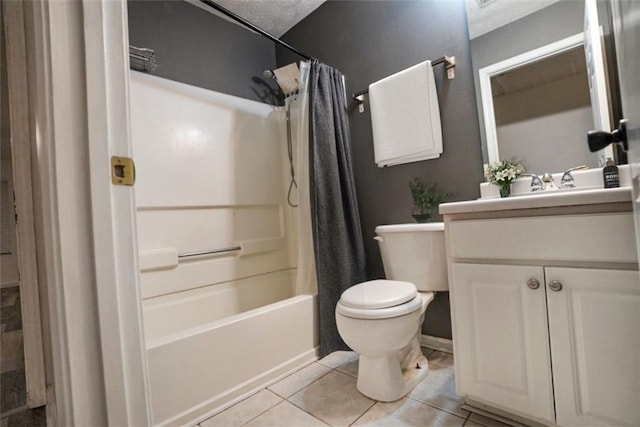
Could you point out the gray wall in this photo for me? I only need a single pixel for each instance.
(558, 21)
(196, 47)
(368, 40)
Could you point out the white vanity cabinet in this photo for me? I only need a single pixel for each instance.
(546, 311)
(594, 326)
(502, 340)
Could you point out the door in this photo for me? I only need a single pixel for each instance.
(502, 354)
(627, 34)
(595, 341)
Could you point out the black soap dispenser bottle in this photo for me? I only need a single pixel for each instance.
(610, 175)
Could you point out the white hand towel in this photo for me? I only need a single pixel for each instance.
(406, 117)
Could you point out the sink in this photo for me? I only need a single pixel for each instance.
(558, 190)
(589, 179)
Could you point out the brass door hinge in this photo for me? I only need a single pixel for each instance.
(123, 171)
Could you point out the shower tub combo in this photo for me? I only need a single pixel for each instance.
(217, 248)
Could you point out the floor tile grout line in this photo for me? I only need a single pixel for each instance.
(285, 398)
(468, 416)
(439, 408)
(303, 387)
(270, 408)
(304, 410)
(375, 402)
(307, 412)
(355, 356)
(241, 401)
(433, 405)
(234, 405)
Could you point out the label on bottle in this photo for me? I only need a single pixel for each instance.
(611, 177)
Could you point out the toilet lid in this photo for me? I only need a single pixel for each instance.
(377, 294)
(408, 307)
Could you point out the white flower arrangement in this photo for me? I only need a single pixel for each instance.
(503, 173)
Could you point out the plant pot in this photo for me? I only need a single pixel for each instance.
(421, 217)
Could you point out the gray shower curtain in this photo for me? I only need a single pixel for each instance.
(337, 236)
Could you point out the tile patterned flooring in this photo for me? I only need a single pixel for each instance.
(324, 394)
(13, 394)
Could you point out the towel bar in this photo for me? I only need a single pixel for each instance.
(210, 252)
(450, 65)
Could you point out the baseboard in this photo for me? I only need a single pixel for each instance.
(500, 415)
(441, 344)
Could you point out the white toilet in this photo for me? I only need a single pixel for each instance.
(381, 319)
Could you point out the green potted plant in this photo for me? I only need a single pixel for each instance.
(426, 199)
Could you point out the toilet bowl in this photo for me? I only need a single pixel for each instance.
(381, 319)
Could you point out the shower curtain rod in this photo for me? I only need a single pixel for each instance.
(255, 28)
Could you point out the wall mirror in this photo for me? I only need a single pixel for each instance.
(537, 91)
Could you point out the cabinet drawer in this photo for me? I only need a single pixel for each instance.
(592, 238)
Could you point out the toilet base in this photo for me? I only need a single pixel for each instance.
(386, 379)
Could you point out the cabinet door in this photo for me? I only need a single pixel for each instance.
(502, 340)
(594, 322)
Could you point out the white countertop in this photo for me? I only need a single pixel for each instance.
(540, 200)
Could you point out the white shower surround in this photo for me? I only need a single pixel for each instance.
(212, 172)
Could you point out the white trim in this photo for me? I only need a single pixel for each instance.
(441, 344)
(78, 72)
(19, 110)
(497, 414)
(114, 214)
(485, 74)
(599, 89)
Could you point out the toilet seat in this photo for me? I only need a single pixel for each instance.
(379, 299)
(378, 294)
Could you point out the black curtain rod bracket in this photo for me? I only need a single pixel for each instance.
(255, 28)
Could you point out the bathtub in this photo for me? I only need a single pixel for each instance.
(208, 348)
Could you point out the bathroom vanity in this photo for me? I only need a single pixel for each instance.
(545, 299)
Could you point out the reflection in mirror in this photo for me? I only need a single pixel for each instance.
(504, 30)
(542, 110)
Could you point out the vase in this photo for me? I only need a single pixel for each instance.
(420, 216)
(505, 189)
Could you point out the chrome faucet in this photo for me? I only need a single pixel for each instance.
(567, 180)
(536, 182)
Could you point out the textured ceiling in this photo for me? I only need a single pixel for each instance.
(274, 16)
(279, 16)
(500, 12)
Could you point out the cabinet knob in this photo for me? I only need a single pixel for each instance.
(555, 286)
(533, 284)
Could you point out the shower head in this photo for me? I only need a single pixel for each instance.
(268, 74)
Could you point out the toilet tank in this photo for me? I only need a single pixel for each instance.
(414, 253)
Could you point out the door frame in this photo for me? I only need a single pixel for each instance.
(15, 44)
(77, 73)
